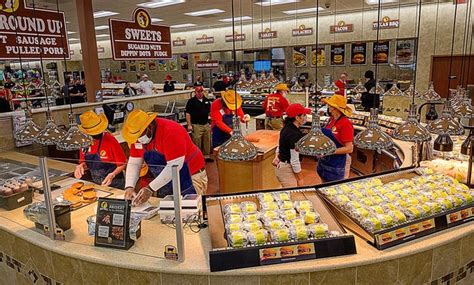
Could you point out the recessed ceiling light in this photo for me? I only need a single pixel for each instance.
(266, 3)
(103, 27)
(67, 22)
(303, 11)
(101, 14)
(102, 36)
(153, 20)
(70, 33)
(73, 39)
(160, 3)
(373, 2)
(237, 19)
(183, 25)
(204, 12)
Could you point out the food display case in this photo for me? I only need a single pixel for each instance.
(252, 104)
(393, 208)
(261, 228)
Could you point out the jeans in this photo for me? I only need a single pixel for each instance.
(200, 182)
(201, 137)
(285, 175)
(329, 173)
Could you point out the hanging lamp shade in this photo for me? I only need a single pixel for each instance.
(360, 88)
(373, 138)
(431, 94)
(394, 91)
(28, 132)
(296, 87)
(51, 134)
(464, 110)
(378, 89)
(443, 143)
(466, 145)
(315, 143)
(331, 88)
(411, 91)
(315, 88)
(412, 130)
(237, 148)
(74, 139)
(446, 124)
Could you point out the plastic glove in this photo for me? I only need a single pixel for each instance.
(143, 195)
(246, 118)
(108, 179)
(79, 172)
(130, 193)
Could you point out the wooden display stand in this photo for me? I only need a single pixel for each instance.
(244, 176)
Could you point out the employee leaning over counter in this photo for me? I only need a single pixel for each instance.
(287, 162)
(275, 105)
(340, 130)
(161, 144)
(105, 158)
(222, 112)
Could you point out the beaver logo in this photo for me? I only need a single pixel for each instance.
(9, 6)
(143, 19)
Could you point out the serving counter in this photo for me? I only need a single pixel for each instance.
(448, 255)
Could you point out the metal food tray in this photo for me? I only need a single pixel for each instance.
(222, 257)
(403, 232)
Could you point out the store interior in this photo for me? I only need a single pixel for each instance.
(138, 144)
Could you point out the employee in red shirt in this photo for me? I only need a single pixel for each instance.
(105, 158)
(222, 112)
(275, 106)
(341, 84)
(161, 143)
(341, 132)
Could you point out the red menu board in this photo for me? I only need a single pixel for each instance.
(139, 39)
(31, 33)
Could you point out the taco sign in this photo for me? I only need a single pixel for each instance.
(139, 39)
(31, 33)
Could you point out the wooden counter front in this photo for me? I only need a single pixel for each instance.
(243, 176)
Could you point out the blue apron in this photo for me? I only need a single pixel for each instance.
(332, 167)
(156, 163)
(100, 169)
(218, 136)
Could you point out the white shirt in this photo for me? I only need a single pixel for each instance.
(146, 87)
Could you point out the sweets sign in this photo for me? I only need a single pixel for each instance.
(139, 39)
(31, 33)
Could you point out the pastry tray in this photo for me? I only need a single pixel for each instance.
(405, 232)
(222, 257)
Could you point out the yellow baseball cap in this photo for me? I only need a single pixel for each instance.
(137, 121)
(282, 87)
(93, 124)
(229, 97)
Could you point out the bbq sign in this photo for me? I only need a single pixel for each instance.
(386, 23)
(31, 33)
(139, 39)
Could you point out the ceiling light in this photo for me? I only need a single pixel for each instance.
(204, 12)
(373, 2)
(73, 39)
(103, 27)
(70, 33)
(160, 3)
(236, 19)
(266, 3)
(153, 20)
(303, 11)
(101, 14)
(183, 26)
(102, 36)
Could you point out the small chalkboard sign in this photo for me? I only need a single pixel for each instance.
(113, 223)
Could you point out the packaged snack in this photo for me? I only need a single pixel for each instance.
(374, 182)
(342, 199)
(304, 205)
(357, 185)
(234, 227)
(356, 194)
(310, 217)
(385, 219)
(387, 207)
(397, 216)
(288, 215)
(413, 201)
(457, 201)
(265, 197)
(281, 196)
(248, 207)
(269, 206)
(435, 207)
(237, 238)
(269, 215)
(360, 213)
(280, 235)
(329, 191)
(296, 222)
(299, 232)
(381, 190)
(285, 205)
(377, 209)
(414, 212)
(318, 230)
(252, 226)
(370, 192)
(371, 224)
(232, 208)
(233, 218)
(367, 201)
(253, 217)
(345, 188)
(352, 205)
(389, 197)
(257, 237)
(377, 199)
(274, 224)
(445, 203)
(465, 197)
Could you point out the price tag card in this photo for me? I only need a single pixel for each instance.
(113, 221)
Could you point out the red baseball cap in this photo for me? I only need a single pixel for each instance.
(168, 77)
(198, 89)
(297, 109)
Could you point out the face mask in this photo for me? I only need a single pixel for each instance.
(97, 137)
(144, 139)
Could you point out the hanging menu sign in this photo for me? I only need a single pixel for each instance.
(341, 27)
(405, 52)
(338, 54)
(204, 40)
(236, 37)
(318, 55)
(302, 31)
(386, 23)
(209, 64)
(299, 56)
(358, 53)
(139, 39)
(267, 34)
(179, 42)
(31, 33)
(112, 223)
(381, 52)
